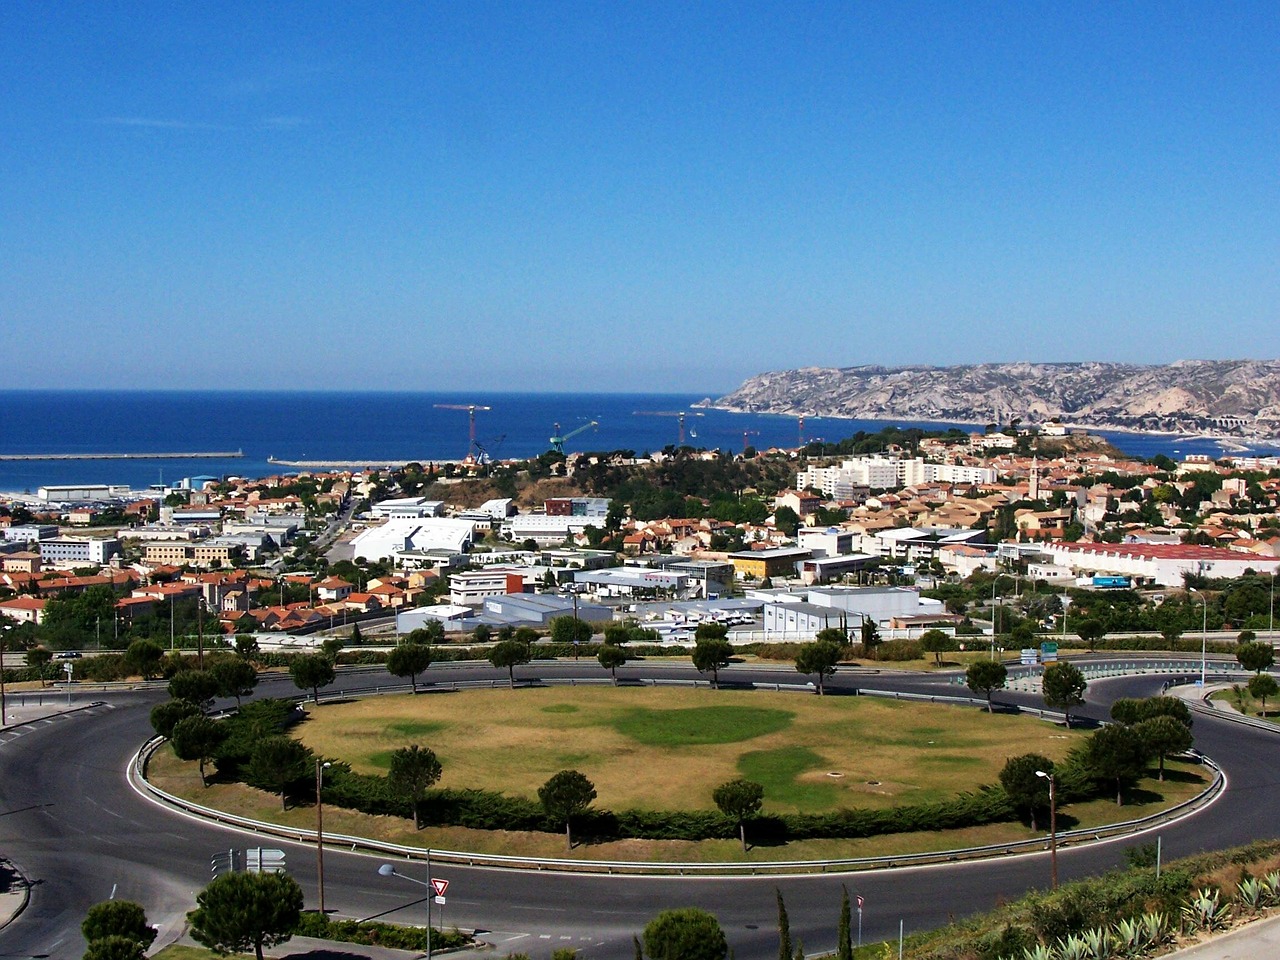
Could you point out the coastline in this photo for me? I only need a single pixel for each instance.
(1216, 437)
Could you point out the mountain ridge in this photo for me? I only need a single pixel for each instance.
(1239, 397)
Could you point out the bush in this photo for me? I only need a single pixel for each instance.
(373, 933)
(899, 650)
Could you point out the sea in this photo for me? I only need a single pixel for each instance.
(381, 427)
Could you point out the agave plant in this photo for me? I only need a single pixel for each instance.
(1271, 888)
(1073, 947)
(1130, 937)
(1098, 943)
(1252, 894)
(1157, 928)
(1039, 952)
(1206, 911)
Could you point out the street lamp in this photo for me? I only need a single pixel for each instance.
(1204, 632)
(321, 767)
(1053, 824)
(389, 870)
(4, 636)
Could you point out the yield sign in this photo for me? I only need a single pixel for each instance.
(440, 886)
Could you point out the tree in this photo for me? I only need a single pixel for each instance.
(1028, 792)
(1164, 736)
(1165, 707)
(1262, 686)
(570, 630)
(414, 771)
(356, 638)
(509, 654)
(711, 656)
(143, 658)
(937, 642)
(786, 521)
(1116, 753)
(1127, 710)
(246, 646)
(870, 636)
(1063, 687)
(739, 800)
(38, 658)
(164, 716)
(818, 659)
(276, 763)
(844, 937)
(617, 633)
(115, 947)
(197, 686)
(1091, 631)
(409, 660)
(567, 794)
(311, 671)
(684, 934)
(242, 910)
(611, 657)
(986, 677)
(330, 647)
(1256, 656)
(482, 633)
(198, 738)
(711, 630)
(236, 677)
(784, 928)
(118, 918)
(832, 635)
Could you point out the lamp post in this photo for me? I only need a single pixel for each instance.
(4, 636)
(995, 625)
(1053, 824)
(1204, 633)
(389, 870)
(321, 767)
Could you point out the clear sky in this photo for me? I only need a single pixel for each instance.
(628, 196)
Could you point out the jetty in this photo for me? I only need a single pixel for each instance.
(198, 455)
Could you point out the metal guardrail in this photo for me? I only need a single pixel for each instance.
(137, 777)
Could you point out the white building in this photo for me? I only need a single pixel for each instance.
(546, 529)
(883, 473)
(73, 550)
(471, 588)
(407, 507)
(802, 613)
(30, 532)
(413, 535)
(89, 491)
(1161, 564)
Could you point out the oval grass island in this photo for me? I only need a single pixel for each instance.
(667, 749)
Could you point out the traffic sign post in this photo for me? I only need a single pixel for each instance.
(859, 920)
(262, 860)
(1049, 652)
(439, 885)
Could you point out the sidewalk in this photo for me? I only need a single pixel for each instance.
(1258, 939)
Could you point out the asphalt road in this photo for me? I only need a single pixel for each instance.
(71, 822)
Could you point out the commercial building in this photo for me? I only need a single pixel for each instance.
(72, 493)
(30, 532)
(413, 535)
(802, 613)
(777, 562)
(407, 507)
(471, 588)
(576, 507)
(73, 550)
(1157, 564)
(544, 529)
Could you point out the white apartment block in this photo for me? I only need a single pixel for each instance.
(883, 473)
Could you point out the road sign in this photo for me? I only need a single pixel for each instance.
(439, 885)
(859, 902)
(223, 863)
(440, 901)
(1030, 656)
(263, 860)
(1049, 652)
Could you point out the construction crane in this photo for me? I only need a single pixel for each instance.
(678, 414)
(800, 429)
(557, 441)
(745, 434)
(471, 408)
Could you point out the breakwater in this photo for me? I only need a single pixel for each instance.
(197, 455)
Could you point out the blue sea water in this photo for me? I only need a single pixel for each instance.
(356, 426)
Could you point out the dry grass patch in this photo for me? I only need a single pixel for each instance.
(668, 748)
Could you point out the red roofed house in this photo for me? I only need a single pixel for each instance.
(23, 609)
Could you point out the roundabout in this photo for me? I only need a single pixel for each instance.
(78, 831)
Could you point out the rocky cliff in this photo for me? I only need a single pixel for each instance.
(1230, 396)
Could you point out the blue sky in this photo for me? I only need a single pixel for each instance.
(595, 196)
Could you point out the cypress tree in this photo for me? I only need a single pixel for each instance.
(844, 940)
(784, 929)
